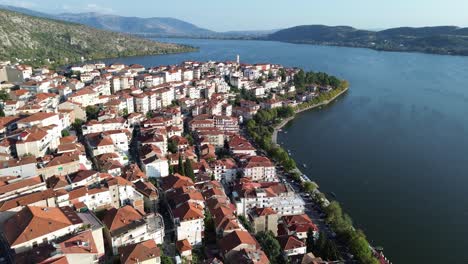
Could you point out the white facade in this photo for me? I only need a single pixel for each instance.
(191, 230)
(287, 204)
(158, 168)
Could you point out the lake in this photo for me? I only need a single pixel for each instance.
(394, 149)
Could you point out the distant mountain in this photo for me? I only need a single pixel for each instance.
(449, 40)
(161, 26)
(25, 11)
(146, 27)
(29, 37)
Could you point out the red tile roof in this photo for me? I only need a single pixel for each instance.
(183, 245)
(290, 242)
(137, 253)
(115, 219)
(33, 222)
(234, 239)
(188, 211)
(82, 243)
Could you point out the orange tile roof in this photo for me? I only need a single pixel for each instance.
(290, 242)
(183, 245)
(82, 243)
(188, 211)
(258, 161)
(234, 239)
(8, 186)
(115, 219)
(137, 253)
(37, 117)
(33, 222)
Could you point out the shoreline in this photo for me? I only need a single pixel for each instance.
(283, 123)
(304, 178)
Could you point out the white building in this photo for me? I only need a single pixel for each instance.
(260, 169)
(188, 220)
(277, 196)
(127, 226)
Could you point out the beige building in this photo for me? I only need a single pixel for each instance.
(264, 219)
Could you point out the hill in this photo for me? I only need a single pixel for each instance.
(449, 40)
(160, 26)
(146, 27)
(25, 37)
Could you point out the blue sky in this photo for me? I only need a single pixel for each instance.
(223, 15)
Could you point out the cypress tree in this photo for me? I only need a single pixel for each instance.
(180, 166)
(188, 169)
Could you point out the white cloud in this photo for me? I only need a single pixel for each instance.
(91, 7)
(83, 8)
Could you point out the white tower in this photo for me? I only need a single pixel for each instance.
(238, 59)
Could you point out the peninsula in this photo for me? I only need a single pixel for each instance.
(165, 164)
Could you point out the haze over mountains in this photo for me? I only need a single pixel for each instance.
(149, 27)
(441, 40)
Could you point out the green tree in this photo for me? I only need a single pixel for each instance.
(166, 260)
(285, 112)
(2, 113)
(149, 115)
(172, 146)
(310, 186)
(282, 73)
(180, 166)
(65, 133)
(171, 169)
(125, 112)
(4, 96)
(269, 244)
(245, 223)
(77, 125)
(189, 169)
(270, 75)
(92, 112)
(189, 138)
(210, 229)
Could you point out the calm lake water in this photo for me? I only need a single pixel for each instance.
(393, 149)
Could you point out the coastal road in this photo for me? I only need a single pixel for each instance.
(317, 216)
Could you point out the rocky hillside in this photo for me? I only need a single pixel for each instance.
(27, 37)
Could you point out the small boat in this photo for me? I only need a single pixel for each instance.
(304, 165)
(285, 132)
(333, 194)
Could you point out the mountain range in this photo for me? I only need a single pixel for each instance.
(148, 27)
(449, 40)
(441, 40)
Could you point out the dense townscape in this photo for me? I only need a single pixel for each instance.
(169, 164)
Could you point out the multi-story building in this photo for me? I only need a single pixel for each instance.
(281, 198)
(127, 226)
(260, 168)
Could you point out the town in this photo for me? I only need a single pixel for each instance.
(168, 164)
